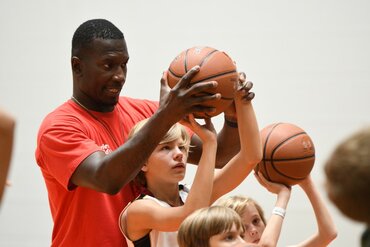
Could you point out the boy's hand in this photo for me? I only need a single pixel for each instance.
(272, 187)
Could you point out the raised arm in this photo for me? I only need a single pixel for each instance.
(7, 125)
(238, 168)
(326, 231)
(146, 214)
(271, 234)
(228, 136)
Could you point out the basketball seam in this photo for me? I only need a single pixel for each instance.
(216, 75)
(287, 139)
(205, 58)
(264, 150)
(201, 62)
(173, 73)
(300, 158)
(274, 150)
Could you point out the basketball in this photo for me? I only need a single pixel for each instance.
(214, 65)
(288, 153)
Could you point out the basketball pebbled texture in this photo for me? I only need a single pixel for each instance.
(214, 65)
(288, 153)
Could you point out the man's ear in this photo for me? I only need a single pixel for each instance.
(76, 65)
(144, 168)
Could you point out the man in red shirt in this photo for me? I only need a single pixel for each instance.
(81, 146)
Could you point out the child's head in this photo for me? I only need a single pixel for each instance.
(348, 176)
(211, 227)
(177, 131)
(251, 214)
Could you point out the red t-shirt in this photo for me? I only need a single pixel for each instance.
(85, 217)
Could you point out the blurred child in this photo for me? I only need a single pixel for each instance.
(7, 126)
(348, 179)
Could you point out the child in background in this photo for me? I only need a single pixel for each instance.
(154, 218)
(259, 232)
(348, 179)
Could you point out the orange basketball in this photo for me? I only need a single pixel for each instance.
(214, 65)
(288, 153)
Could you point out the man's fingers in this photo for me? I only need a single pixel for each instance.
(242, 77)
(184, 82)
(204, 98)
(249, 96)
(164, 89)
(246, 85)
(203, 109)
(164, 81)
(203, 88)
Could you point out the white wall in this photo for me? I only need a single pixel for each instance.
(309, 61)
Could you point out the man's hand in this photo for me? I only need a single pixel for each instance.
(242, 90)
(183, 98)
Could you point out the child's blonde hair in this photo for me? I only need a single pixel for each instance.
(201, 225)
(175, 132)
(239, 204)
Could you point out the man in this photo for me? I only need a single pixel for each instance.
(81, 147)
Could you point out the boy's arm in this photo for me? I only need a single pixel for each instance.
(238, 168)
(228, 137)
(326, 229)
(271, 234)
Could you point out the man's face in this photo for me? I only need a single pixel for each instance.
(103, 69)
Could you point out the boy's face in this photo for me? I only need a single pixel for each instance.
(167, 162)
(231, 238)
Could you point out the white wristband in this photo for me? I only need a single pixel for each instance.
(279, 211)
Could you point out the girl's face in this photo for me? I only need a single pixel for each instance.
(168, 161)
(253, 223)
(231, 238)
